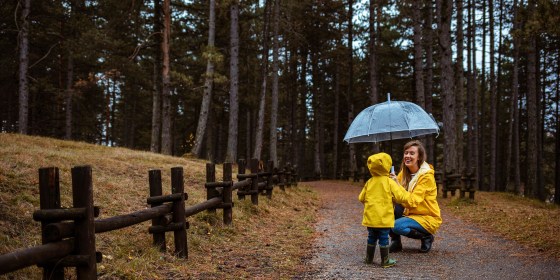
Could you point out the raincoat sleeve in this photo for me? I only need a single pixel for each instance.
(417, 195)
(362, 196)
(399, 193)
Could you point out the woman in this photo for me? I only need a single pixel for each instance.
(422, 217)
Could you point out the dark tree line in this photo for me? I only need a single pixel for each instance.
(283, 79)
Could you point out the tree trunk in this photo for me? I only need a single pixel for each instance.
(482, 128)
(557, 138)
(475, 112)
(418, 68)
(156, 96)
(275, 72)
(531, 188)
(208, 83)
(373, 90)
(470, 85)
(541, 103)
(351, 147)
(69, 94)
(449, 123)
(257, 152)
(165, 90)
(428, 30)
(302, 112)
(231, 153)
(23, 66)
(336, 119)
(500, 151)
(316, 103)
(493, 101)
(460, 86)
(512, 174)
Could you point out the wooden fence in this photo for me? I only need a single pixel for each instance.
(68, 234)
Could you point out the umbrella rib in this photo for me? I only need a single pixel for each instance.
(406, 119)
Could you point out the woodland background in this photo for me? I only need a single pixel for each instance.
(282, 80)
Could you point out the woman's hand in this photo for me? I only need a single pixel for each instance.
(393, 176)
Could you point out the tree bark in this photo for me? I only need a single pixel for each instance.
(449, 123)
(418, 68)
(231, 153)
(275, 73)
(557, 142)
(531, 188)
(373, 76)
(69, 95)
(512, 174)
(257, 152)
(493, 101)
(429, 43)
(460, 86)
(208, 82)
(23, 66)
(165, 90)
(156, 95)
(336, 119)
(482, 124)
(351, 147)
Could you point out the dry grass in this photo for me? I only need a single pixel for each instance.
(266, 241)
(527, 221)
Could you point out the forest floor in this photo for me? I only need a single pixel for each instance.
(461, 249)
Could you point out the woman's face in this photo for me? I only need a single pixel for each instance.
(410, 159)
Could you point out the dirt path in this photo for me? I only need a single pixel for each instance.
(460, 250)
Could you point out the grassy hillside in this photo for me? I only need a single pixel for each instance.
(269, 239)
(528, 221)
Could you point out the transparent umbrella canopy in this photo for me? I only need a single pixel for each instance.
(390, 120)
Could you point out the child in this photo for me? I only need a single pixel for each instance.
(377, 197)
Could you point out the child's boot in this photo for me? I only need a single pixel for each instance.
(370, 253)
(385, 260)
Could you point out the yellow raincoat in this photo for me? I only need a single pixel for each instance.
(422, 205)
(378, 193)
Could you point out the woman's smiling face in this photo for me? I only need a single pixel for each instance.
(410, 159)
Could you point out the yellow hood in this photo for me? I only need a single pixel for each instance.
(379, 164)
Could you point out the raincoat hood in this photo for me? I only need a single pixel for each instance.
(379, 164)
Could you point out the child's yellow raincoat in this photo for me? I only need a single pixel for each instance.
(378, 193)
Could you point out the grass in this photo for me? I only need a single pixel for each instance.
(527, 221)
(265, 241)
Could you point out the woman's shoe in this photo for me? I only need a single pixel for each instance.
(427, 241)
(396, 245)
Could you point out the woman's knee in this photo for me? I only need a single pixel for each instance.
(401, 227)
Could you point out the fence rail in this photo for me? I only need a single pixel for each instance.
(68, 234)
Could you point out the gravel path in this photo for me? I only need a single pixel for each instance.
(460, 250)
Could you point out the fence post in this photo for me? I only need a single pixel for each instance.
(288, 172)
(210, 178)
(156, 190)
(255, 181)
(180, 235)
(295, 175)
(49, 192)
(269, 183)
(280, 174)
(227, 196)
(82, 196)
(241, 164)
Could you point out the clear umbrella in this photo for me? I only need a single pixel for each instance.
(390, 120)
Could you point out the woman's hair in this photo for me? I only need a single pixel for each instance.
(406, 177)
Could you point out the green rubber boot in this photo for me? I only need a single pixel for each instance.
(370, 253)
(385, 260)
